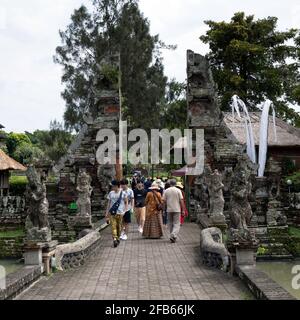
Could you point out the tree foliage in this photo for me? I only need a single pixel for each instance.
(54, 142)
(26, 153)
(113, 26)
(254, 60)
(49, 144)
(14, 140)
(174, 113)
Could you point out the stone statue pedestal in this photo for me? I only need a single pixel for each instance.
(39, 253)
(35, 241)
(218, 221)
(245, 256)
(33, 253)
(82, 223)
(242, 254)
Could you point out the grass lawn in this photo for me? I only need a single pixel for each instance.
(293, 231)
(18, 179)
(12, 233)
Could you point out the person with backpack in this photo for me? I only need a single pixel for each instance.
(116, 207)
(154, 206)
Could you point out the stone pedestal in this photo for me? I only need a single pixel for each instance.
(218, 221)
(242, 254)
(40, 253)
(245, 257)
(33, 253)
(36, 240)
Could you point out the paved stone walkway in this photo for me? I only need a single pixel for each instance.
(141, 269)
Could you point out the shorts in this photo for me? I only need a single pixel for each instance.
(127, 217)
(140, 213)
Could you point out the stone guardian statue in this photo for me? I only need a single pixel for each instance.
(84, 190)
(37, 224)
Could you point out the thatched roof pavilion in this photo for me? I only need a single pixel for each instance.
(287, 135)
(7, 164)
(286, 146)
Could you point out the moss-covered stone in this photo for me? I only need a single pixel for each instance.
(11, 247)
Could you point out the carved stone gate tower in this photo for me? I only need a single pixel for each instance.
(105, 114)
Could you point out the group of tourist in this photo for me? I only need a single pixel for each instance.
(155, 204)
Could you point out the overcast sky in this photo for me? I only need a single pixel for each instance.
(30, 83)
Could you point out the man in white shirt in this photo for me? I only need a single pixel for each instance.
(117, 198)
(174, 205)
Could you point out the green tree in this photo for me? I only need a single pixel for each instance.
(3, 137)
(174, 113)
(26, 152)
(254, 60)
(13, 140)
(295, 88)
(54, 142)
(113, 26)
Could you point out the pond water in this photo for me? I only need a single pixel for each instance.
(281, 272)
(11, 265)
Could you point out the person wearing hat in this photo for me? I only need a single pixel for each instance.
(174, 205)
(161, 186)
(180, 186)
(154, 205)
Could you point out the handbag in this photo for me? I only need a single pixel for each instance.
(159, 205)
(114, 208)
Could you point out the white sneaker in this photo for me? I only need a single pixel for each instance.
(140, 230)
(122, 234)
(124, 237)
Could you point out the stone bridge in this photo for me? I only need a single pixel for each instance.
(141, 269)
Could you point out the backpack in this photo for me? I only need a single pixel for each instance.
(114, 208)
